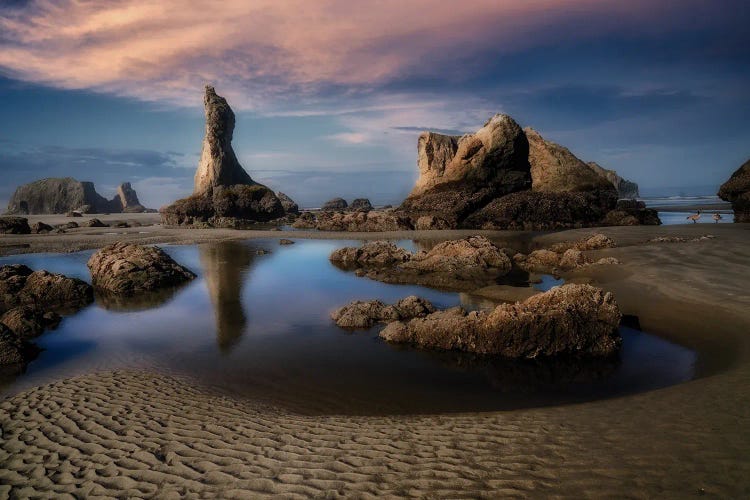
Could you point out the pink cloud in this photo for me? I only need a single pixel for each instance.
(265, 51)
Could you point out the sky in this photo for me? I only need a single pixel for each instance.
(330, 96)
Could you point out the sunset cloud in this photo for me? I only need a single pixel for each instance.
(269, 55)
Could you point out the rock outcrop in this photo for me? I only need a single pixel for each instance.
(362, 221)
(224, 194)
(361, 205)
(554, 169)
(335, 204)
(365, 314)
(20, 286)
(457, 265)
(503, 177)
(625, 189)
(128, 199)
(64, 195)
(14, 225)
(125, 269)
(459, 175)
(632, 213)
(737, 191)
(565, 256)
(41, 228)
(29, 304)
(288, 204)
(573, 320)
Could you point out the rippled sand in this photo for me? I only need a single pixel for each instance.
(143, 434)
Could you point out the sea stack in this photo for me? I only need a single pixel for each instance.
(63, 195)
(218, 165)
(737, 191)
(224, 194)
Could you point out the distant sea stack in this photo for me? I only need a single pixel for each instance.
(737, 191)
(224, 194)
(63, 195)
(625, 189)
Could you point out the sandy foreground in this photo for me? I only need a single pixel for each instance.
(146, 434)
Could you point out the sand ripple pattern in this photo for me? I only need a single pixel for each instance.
(134, 434)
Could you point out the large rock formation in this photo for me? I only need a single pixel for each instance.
(128, 199)
(737, 191)
(224, 194)
(577, 320)
(126, 269)
(625, 189)
(554, 169)
(458, 175)
(335, 204)
(503, 177)
(59, 196)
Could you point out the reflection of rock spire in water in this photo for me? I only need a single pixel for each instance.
(224, 265)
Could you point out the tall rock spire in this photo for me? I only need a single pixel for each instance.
(218, 165)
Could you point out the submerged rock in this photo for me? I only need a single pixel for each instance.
(14, 225)
(20, 286)
(284, 241)
(569, 320)
(737, 191)
(126, 268)
(335, 204)
(365, 314)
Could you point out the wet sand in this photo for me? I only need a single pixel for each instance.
(143, 434)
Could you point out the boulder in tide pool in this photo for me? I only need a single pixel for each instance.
(19, 286)
(573, 320)
(126, 268)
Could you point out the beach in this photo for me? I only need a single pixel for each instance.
(140, 433)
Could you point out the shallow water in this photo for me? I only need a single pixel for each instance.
(259, 326)
(671, 218)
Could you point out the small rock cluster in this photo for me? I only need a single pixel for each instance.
(365, 314)
(565, 256)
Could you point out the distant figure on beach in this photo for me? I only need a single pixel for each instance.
(717, 217)
(694, 217)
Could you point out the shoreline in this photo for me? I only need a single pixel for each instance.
(120, 433)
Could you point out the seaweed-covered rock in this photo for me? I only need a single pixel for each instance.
(578, 320)
(14, 225)
(126, 268)
(535, 210)
(360, 221)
